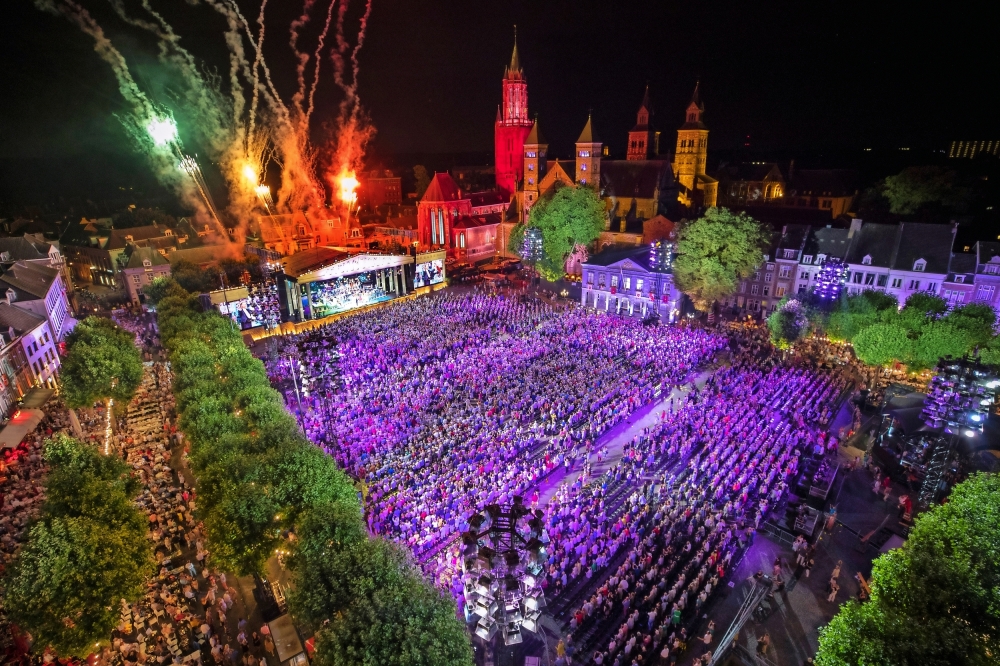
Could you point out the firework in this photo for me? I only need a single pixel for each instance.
(163, 131)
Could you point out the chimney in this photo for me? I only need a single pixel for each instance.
(855, 227)
(11, 297)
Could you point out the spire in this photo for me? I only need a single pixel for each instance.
(514, 69)
(696, 97)
(535, 137)
(645, 100)
(587, 135)
(499, 117)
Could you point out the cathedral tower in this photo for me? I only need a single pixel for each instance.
(588, 157)
(512, 127)
(534, 165)
(640, 138)
(696, 188)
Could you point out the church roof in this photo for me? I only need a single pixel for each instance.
(635, 178)
(588, 135)
(535, 135)
(474, 221)
(698, 104)
(644, 127)
(696, 97)
(442, 188)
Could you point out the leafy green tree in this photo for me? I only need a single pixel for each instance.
(715, 252)
(422, 179)
(934, 601)
(515, 243)
(976, 319)
(195, 279)
(938, 339)
(916, 187)
(101, 362)
(788, 323)
(567, 217)
(990, 354)
(67, 581)
(920, 309)
(881, 344)
(87, 553)
(854, 313)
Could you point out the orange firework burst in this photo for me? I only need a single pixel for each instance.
(347, 183)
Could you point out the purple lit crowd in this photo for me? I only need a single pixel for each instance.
(446, 404)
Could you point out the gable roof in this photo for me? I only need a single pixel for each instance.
(876, 240)
(28, 280)
(20, 248)
(472, 222)
(535, 137)
(829, 241)
(963, 263)
(137, 255)
(488, 198)
(635, 257)
(635, 178)
(441, 188)
(118, 240)
(930, 242)
(19, 319)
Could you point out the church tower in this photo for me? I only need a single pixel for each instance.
(696, 187)
(640, 138)
(512, 127)
(588, 157)
(534, 166)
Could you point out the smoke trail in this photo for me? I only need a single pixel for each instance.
(302, 59)
(319, 48)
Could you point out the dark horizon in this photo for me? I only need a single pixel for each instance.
(796, 80)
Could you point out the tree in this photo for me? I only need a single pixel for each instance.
(101, 362)
(934, 600)
(857, 312)
(715, 252)
(567, 217)
(990, 354)
(916, 187)
(788, 323)
(515, 243)
(422, 178)
(938, 339)
(881, 344)
(976, 319)
(195, 279)
(88, 552)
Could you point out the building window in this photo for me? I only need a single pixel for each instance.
(867, 261)
(789, 254)
(807, 259)
(768, 276)
(897, 283)
(531, 153)
(136, 279)
(583, 167)
(932, 287)
(531, 166)
(756, 276)
(802, 289)
(960, 279)
(628, 283)
(600, 281)
(584, 153)
(914, 284)
(614, 281)
(869, 279)
(820, 258)
(461, 240)
(770, 267)
(767, 291)
(754, 289)
(583, 181)
(882, 279)
(785, 271)
(638, 287)
(985, 292)
(804, 275)
(857, 277)
(743, 287)
(991, 269)
(919, 265)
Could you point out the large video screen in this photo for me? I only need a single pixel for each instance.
(260, 308)
(428, 273)
(344, 293)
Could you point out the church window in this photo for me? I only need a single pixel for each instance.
(583, 181)
(584, 153)
(461, 240)
(531, 166)
(642, 143)
(531, 181)
(531, 153)
(583, 167)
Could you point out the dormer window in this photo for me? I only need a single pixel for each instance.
(960, 279)
(820, 258)
(168, 232)
(807, 259)
(146, 263)
(919, 265)
(128, 238)
(867, 261)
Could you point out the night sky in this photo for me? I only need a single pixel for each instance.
(791, 75)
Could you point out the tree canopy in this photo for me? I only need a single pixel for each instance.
(422, 179)
(568, 217)
(715, 252)
(101, 362)
(788, 323)
(916, 187)
(936, 600)
(88, 551)
(258, 478)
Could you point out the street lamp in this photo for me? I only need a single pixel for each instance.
(503, 554)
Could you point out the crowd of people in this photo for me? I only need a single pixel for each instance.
(444, 404)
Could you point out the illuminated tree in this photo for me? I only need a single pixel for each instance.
(568, 217)
(934, 600)
(716, 252)
(881, 344)
(788, 323)
(101, 362)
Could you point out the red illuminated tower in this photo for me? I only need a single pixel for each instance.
(512, 127)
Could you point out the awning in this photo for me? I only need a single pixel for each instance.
(36, 398)
(23, 422)
(285, 637)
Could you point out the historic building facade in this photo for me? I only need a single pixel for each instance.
(697, 188)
